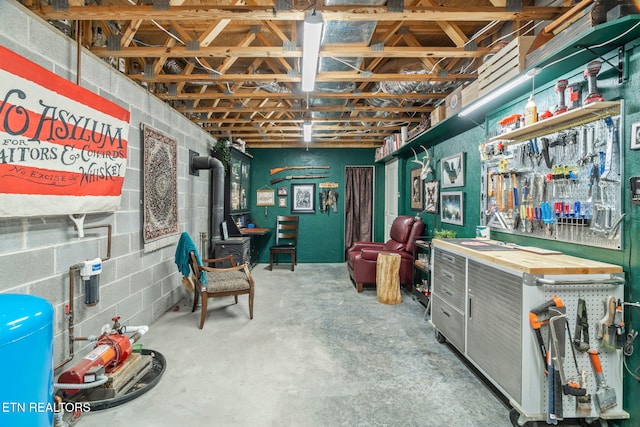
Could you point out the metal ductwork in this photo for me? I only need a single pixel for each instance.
(359, 33)
(217, 191)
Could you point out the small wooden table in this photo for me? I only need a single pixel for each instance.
(388, 278)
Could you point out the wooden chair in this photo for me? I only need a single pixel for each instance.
(220, 282)
(286, 240)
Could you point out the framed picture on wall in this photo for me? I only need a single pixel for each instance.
(303, 197)
(282, 201)
(283, 191)
(431, 196)
(452, 170)
(416, 190)
(635, 136)
(452, 207)
(265, 198)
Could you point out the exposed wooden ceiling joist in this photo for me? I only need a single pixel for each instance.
(233, 66)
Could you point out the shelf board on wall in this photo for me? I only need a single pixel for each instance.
(578, 116)
(621, 31)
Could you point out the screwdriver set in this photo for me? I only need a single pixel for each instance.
(558, 179)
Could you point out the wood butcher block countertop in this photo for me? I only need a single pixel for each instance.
(527, 261)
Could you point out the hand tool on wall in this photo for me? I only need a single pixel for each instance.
(551, 395)
(507, 198)
(558, 326)
(590, 74)
(581, 335)
(288, 168)
(545, 153)
(558, 145)
(537, 323)
(601, 226)
(490, 183)
(537, 211)
(534, 151)
(289, 177)
(618, 325)
(583, 403)
(612, 153)
(530, 219)
(582, 146)
(593, 179)
(556, 370)
(604, 325)
(499, 194)
(605, 396)
(548, 309)
(520, 218)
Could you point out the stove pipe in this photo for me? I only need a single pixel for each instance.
(217, 192)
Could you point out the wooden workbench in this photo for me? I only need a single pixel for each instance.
(527, 261)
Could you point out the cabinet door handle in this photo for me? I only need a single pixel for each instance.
(449, 258)
(446, 313)
(448, 275)
(470, 301)
(447, 291)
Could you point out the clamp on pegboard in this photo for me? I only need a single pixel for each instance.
(627, 349)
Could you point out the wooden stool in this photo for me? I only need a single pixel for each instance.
(388, 278)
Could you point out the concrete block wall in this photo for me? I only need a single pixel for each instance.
(37, 252)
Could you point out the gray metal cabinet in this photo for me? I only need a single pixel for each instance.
(494, 325)
(448, 307)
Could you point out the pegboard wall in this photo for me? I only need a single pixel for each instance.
(560, 182)
(595, 297)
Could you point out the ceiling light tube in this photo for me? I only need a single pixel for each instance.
(311, 49)
(495, 94)
(306, 130)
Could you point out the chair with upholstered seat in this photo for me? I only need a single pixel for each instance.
(362, 256)
(213, 282)
(286, 240)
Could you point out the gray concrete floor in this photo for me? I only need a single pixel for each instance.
(317, 353)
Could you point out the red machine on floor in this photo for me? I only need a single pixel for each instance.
(110, 352)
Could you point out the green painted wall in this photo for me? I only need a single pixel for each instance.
(321, 237)
(466, 143)
(628, 258)
(323, 243)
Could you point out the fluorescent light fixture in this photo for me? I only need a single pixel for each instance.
(496, 93)
(311, 49)
(306, 130)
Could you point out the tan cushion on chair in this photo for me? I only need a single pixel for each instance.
(226, 281)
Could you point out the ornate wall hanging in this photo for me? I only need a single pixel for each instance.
(160, 189)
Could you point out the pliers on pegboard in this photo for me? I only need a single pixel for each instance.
(581, 335)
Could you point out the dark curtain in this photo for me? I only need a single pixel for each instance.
(358, 205)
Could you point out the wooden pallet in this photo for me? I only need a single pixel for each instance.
(124, 378)
(508, 63)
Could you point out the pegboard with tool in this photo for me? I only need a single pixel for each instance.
(584, 334)
(558, 178)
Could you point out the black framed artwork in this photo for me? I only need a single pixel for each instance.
(416, 190)
(303, 197)
(431, 196)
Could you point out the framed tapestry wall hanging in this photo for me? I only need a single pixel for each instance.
(160, 187)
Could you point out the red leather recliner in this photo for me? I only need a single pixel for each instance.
(362, 256)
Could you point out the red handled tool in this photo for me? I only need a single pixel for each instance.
(605, 396)
(536, 323)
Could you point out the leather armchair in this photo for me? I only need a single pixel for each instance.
(362, 256)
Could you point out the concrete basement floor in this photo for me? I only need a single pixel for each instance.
(316, 353)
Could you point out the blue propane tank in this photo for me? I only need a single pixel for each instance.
(26, 361)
